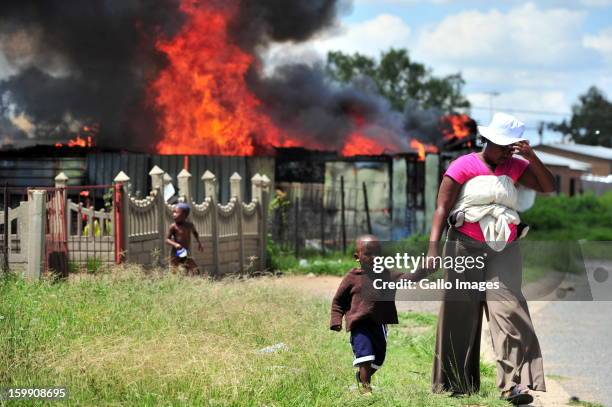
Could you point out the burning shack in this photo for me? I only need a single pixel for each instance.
(320, 196)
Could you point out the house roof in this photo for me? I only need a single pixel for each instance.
(592, 151)
(553, 159)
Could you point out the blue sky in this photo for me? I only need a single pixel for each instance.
(539, 56)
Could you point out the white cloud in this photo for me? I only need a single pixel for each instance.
(601, 42)
(526, 35)
(369, 37)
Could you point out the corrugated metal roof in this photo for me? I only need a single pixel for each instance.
(593, 151)
(553, 159)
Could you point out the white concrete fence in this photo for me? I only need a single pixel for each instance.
(233, 234)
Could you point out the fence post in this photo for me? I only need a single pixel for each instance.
(157, 178)
(7, 234)
(157, 187)
(236, 193)
(256, 187)
(184, 185)
(367, 207)
(322, 219)
(432, 177)
(210, 191)
(342, 215)
(296, 228)
(265, 198)
(166, 180)
(36, 233)
(121, 216)
(61, 180)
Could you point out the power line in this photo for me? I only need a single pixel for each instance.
(544, 112)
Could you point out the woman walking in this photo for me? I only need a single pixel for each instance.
(479, 191)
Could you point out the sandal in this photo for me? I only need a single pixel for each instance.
(517, 395)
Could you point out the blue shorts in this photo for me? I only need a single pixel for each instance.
(369, 343)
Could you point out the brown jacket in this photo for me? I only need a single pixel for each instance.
(357, 300)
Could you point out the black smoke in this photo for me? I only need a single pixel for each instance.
(262, 21)
(301, 99)
(91, 61)
(88, 60)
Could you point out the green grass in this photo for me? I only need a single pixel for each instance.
(308, 261)
(126, 338)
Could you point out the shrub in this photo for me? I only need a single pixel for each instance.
(571, 218)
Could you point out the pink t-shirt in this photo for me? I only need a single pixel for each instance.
(469, 166)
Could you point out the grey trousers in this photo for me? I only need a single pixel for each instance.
(456, 365)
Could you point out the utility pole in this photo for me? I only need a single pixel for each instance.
(491, 94)
(541, 132)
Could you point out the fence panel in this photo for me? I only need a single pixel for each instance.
(144, 229)
(309, 216)
(80, 229)
(13, 237)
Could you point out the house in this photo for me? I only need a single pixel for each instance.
(599, 157)
(567, 172)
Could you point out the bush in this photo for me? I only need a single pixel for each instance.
(561, 217)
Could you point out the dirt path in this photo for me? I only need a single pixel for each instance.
(325, 286)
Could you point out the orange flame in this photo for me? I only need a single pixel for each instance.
(458, 126)
(358, 144)
(77, 142)
(202, 96)
(205, 105)
(422, 148)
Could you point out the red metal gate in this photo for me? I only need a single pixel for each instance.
(83, 228)
(56, 240)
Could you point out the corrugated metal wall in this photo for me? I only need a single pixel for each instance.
(102, 168)
(41, 171)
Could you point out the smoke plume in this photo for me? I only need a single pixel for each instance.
(74, 62)
(88, 60)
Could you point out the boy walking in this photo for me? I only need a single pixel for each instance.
(179, 237)
(367, 310)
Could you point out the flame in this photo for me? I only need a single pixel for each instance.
(422, 148)
(206, 107)
(204, 103)
(78, 141)
(457, 126)
(358, 144)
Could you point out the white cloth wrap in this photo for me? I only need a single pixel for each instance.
(492, 201)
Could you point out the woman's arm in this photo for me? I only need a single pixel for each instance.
(536, 175)
(447, 197)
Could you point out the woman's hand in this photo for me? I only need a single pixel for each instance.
(536, 175)
(432, 254)
(523, 149)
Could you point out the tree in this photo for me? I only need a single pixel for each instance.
(399, 79)
(591, 121)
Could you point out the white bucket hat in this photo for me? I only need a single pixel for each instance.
(503, 130)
